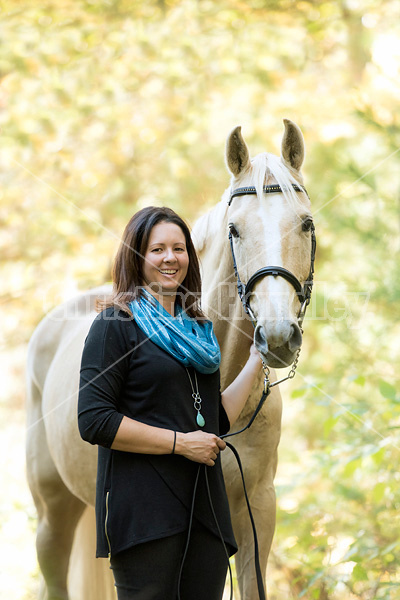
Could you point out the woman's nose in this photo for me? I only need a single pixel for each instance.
(169, 255)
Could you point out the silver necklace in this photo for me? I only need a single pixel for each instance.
(197, 400)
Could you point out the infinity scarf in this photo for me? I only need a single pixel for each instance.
(189, 341)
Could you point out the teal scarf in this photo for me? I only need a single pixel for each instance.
(191, 342)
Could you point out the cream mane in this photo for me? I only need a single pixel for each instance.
(210, 223)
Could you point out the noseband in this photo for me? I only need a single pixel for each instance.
(303, 291)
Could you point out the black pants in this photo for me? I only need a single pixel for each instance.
(150, 571)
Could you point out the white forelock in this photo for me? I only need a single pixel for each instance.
(267, 166)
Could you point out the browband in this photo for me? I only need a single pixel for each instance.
(267, 189)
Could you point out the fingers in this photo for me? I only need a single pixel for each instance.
(217, 446)
(211, 461)
(221, 444)
(202, 447)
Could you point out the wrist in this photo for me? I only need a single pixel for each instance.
(255, 362)
(179, 442)
(174, 444)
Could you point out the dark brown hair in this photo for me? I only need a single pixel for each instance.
(127, 272)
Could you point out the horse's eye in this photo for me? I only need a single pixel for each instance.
(233, 230)
(307, 224)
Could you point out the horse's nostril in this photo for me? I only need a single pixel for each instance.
(260, 339)
(296, 338)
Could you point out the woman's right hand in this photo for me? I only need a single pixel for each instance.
(199, 446)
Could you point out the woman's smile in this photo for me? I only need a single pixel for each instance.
(169, 271)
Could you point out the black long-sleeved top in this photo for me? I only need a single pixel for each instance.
(141, 497)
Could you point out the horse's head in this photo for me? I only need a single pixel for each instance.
(272, 227)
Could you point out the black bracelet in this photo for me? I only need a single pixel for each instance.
(173, 447)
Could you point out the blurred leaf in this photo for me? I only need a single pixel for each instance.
(359, 573)
(358, 379)
(299, 392)
(387, 390)
(378, 492)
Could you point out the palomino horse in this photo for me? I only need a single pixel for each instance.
(267, 229)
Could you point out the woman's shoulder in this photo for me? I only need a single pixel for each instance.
(113, 314)
(113, 321)
(111, 337)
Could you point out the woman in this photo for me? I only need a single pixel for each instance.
(150, 398)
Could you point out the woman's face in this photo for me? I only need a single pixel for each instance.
(166, 260)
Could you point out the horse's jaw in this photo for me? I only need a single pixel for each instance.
(278, 358)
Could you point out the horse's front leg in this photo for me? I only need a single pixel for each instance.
(258, 449)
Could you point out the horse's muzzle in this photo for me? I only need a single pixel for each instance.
(279, 344)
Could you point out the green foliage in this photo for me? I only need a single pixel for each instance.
(111, 106)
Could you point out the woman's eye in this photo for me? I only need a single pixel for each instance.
(307, 224)
(233, 230)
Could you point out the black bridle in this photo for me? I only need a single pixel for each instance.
(304, 294)
(303, 291)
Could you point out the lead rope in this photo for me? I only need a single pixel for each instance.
(260, 582)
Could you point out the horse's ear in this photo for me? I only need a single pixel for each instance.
(292, 145)
(237, 154)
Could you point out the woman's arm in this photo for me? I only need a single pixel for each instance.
(236, 394)
(104, 368)
(199, 446)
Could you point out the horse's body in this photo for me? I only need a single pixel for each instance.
(62, 468)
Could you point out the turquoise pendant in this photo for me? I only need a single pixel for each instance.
(200, 420)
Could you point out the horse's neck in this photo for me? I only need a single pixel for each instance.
(219, 297)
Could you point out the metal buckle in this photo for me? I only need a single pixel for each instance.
(302, 314)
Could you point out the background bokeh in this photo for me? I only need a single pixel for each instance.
(110, 105)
